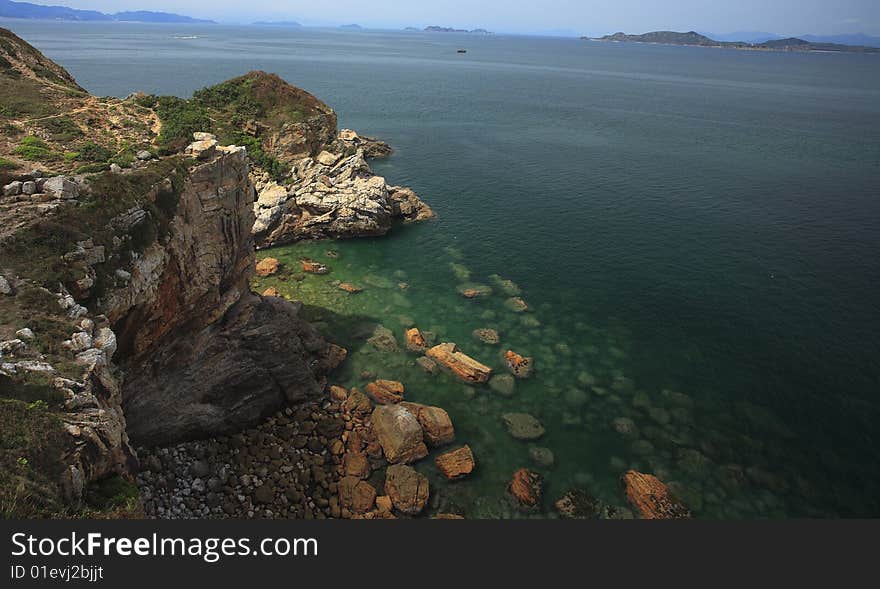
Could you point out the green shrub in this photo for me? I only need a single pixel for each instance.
(33, 389)
(31, 442)
(92, 168)
(180, 119)
(111, 492)
(259, 156)
(61, 129)
(92, 152)
(6, 165)
(146, 100)
(35, 149)
(124, 159)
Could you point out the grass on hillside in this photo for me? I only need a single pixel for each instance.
(36, 251)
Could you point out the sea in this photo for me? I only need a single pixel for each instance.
(695, 231)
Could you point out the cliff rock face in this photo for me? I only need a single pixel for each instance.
(202, 354)
(165, 339)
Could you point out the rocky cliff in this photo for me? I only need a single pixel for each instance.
(125, 311)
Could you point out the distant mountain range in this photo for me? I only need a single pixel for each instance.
(9, 9)
(436, 29)
(760, 37)
(696, 39)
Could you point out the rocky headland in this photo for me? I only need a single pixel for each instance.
(140, 375)
(126, 251)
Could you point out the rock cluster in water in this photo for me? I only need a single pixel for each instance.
(332, 195)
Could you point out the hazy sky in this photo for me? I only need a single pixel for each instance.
(576, 16)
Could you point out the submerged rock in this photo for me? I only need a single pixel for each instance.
(415, 341)
(350, 288)
(516, 304)
(541, 456)
(313, 267)
(487, 336)
(503, 384)
(652, 498)
(527, 488)
(268, 267)
(456, 464)
(460, 271)
(460, 364)
(578, 504)
(520, 366)
(523, 426)
(624, 426)
(383, 339)
(508, 287)
(427, 365)
(474, 291)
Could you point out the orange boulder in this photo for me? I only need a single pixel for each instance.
(520, 366)
(652, 498)
(268, 267)
(527, 488)
(415, 341)
(460, 364)
(385, 392)
(313, 267)
(456, 464)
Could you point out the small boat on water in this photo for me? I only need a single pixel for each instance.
(462, 51)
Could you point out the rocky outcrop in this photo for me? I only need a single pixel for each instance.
(350, 141)
(331, 196)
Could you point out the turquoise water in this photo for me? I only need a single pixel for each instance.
(695, 221)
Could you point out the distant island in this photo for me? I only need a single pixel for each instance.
(693, 38)
(277, 23)
(352, 27)
(26, 10)
(436, 29)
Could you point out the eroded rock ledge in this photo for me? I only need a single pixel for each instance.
(203, 355)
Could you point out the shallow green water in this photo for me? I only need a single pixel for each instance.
(722, 457)
(683, 219)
